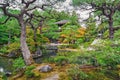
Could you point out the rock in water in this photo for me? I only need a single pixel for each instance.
(37, 54)
(46, 68)
(8, 74)
(12, 54)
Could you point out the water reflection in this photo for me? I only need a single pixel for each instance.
(5, 64)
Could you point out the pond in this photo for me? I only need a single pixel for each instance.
(5, 65)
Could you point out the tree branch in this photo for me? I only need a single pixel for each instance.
(28, 3)
(41, 7)
(5, 21)
(5, 11)
(23, 1)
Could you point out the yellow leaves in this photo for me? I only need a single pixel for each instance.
(46, 39)
(65, 41)
(29, 32)
(78, 35)
(63, 35)
(13, 46)
(30, 41)
(38, 31)
(73, 35)
(80, 32)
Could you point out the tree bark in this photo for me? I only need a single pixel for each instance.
(25, 50)
(40, 28)
(111, 29)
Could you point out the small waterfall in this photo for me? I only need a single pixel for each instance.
(1, 70)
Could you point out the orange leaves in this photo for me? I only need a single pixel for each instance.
(80, 32)
(63, 35)
(72, 35)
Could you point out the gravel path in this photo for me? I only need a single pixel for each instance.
(53, 77)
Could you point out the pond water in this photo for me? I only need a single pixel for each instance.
(5, 65)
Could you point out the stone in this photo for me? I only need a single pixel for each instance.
(37, 54)
(45, 68)
(90, 49)
(62, 22)
(8, 74)
(12, 54)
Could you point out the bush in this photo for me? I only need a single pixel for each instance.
(18, 63)
(60, 60)
(29, 72)
(75, 73)
(50, 60)
(3, 49)
(13, 47)
(110, 60)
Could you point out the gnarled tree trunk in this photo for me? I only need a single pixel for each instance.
(25, 50)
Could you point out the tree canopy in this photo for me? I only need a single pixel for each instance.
(107, 8)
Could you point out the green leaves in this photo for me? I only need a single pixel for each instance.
(8, 30)
(29, 72)
(18, 63)
(76, 74)
(3, 35)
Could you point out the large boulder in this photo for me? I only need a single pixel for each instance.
(46, 68)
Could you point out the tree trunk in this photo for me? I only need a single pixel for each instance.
(111, 29)
(25, 50)
(40, 28)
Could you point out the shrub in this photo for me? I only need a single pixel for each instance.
(29, 72)
(13, 47)
(109, 60)
(18, 63)
(75, 73)
(74, 46)
(60, 60)
(3, 49)
(50, 60)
